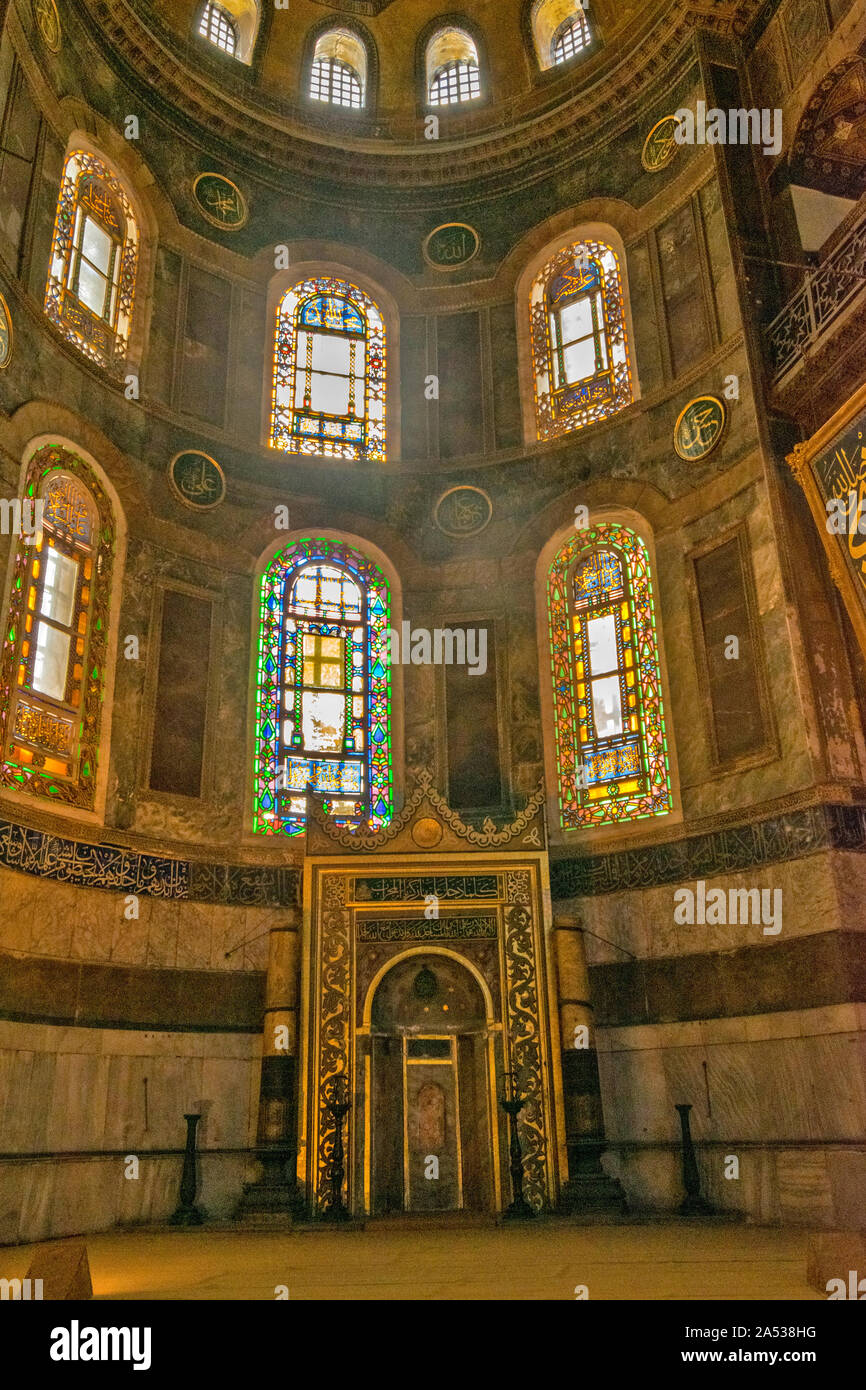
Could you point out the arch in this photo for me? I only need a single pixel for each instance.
(323, 688)
(329, 382)
(827, 152)
(579, 341)
(231, 26)
(339, 68)
(610, 746)
(560, 31)
(427, 949)
(55, 658)
(452, 65)
(94, 263)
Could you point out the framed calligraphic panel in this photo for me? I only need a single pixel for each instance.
(831, 469)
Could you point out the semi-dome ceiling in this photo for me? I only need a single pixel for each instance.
(260, 106)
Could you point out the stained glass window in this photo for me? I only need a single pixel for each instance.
(329, 372)
(219, 27)
(453, 74)
(94, 258)
(53, 659)
(579, 342)
(611, 744)
(323, 717)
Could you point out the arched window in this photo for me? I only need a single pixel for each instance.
(611, 745)
(453, 74)
(323, 716)
(94, 260)
(230, 25)
(329, 372)
(560, 30)
(579, 342)
(53, 660)
(219, 27)
(339, 70)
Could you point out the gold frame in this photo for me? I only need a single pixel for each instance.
(214, 221)
(446, 269)
(801, 461)
(336, 1022)
(194, 506)
(462, 535)
(657, 168)
(52, 47)
(705, 396)
(11, 327)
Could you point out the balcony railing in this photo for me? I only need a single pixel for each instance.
(819, 300)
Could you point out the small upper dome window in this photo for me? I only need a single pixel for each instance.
(453, 74)
(339, 70)
(231, 26)
(219, 27)
(560, 30)
(570, 38)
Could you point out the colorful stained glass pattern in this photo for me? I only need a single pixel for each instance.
(329, 372)
(323, 714)
(54, 649)
(611, 744)
(580, 351)
(94, 260)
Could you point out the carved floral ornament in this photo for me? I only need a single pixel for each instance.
(416, 826)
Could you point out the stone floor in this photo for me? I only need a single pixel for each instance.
(547, 1261)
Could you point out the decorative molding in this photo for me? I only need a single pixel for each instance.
(527, 831)
(509, 134)
(117, 870)
(731, 849)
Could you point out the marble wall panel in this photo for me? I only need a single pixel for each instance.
(808, 1085)
(71, 1090)
(51, 1199)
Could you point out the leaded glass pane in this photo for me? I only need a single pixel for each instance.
(51, 661)
(59, 585)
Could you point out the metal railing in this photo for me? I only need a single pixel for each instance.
(823, 295)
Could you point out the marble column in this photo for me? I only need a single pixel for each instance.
(588, 1188)
(277, 1136)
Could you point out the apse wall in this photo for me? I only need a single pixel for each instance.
(95, 1002)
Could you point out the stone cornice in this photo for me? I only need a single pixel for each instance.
(533, 132)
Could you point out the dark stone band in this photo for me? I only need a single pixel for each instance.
(730, 850)
(130, 997)
(115, 869)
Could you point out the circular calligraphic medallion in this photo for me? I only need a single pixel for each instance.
(451, 246)
(197, 480)
(660, 146)
(221, 202)
(427, 832)
(699, 427)
(48, 23)
(463, 511)
(6, 334)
